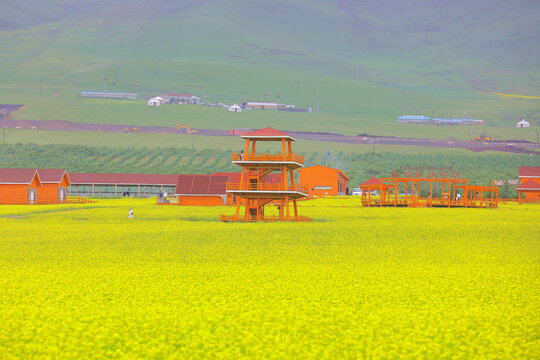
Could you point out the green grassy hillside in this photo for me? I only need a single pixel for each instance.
(360, 63)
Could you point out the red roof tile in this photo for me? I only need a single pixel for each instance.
(274, 178)
(372, 181)
(52, 175)
(529, 171)
(267, 133)
(201, 184)
(124, 179)
(233, 176)
(18, 176)
(529, 185)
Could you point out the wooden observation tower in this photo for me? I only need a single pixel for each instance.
(253, 192)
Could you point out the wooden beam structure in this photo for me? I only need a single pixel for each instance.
(253, 193)
(453, 193)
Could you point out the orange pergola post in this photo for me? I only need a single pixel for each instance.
(395, 192)
(430, 193)
(406, 190)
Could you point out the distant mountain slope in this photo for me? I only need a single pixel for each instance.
(415, 52)
(501, 33)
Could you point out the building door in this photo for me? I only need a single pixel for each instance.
(32, 196)
(61, 194)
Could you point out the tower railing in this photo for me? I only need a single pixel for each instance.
(266, 187)
(269, 157)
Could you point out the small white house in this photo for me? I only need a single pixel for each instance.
(522, 123)
(235, 108)
(155, 101)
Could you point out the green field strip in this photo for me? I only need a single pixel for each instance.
(173, 159)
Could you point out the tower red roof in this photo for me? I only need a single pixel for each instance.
(267, 133)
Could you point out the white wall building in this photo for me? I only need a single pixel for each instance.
(235, 108)
(523, 124)
(155, 101)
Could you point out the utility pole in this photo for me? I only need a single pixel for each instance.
(373, 142)
(469, 124)
(192, 141)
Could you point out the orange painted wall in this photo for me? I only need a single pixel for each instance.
(49, 191)
(319, 176)
(201, 200)
(530, 194)
(17, 193)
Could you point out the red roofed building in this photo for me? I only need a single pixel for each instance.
(55, 183)
(529, 188)
(201, 190)
(372, 181)
(19, 186)
(323, 181)
(372, 185)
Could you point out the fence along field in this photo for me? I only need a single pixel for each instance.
(356, 282)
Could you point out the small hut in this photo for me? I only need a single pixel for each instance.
(523, 124)
(529, 188)
(155, 101)
(235, 108)
(55, 184)
(19, 186)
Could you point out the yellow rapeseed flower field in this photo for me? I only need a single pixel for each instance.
(357, 282)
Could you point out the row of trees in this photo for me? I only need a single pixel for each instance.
(480, 169)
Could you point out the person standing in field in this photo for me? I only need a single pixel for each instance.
(130, 213)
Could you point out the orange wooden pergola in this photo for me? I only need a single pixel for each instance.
(406, 192)
(253, 192)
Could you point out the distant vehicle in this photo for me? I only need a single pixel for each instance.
(239, 131)
(356, 191)
(482, 138)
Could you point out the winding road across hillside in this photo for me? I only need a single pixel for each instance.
(511, 146)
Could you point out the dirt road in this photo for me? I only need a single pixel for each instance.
(511, 146)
